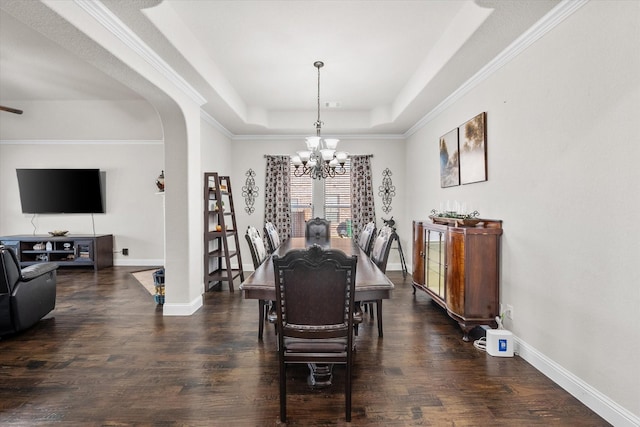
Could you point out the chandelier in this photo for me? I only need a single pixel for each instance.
(320, 159)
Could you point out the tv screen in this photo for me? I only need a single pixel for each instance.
(60, 191)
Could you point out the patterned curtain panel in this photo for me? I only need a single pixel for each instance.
(362, 202)
(277, 201)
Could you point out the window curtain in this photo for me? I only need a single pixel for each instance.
(277, 201)
(362, 201)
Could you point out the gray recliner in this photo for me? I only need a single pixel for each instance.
(26, 295)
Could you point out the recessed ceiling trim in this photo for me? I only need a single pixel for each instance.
(302, 136)
(104, 16)
(539, 29)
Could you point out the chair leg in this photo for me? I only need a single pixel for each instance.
(283, 393)
(261, 315)
(347, 392)
(379, 314)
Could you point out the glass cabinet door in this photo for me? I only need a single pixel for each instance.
(434, 261)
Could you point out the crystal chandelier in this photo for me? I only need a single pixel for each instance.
(320, 159)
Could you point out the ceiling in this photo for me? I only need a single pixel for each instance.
(387, 63)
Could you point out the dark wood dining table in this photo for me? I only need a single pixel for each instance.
(371, 283)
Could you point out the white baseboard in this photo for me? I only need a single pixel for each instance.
(173, 309)
(394, 267)
(592, 398)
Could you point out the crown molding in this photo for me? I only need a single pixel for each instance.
(81, 142)
(548, 22)
(216, 124)
(112, 23)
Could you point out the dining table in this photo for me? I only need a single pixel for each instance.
(371, 283)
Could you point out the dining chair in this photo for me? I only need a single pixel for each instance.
(318, 229)
(379, 255)
(366, 237)
(273, 238)
(259, 255)
(315, 290)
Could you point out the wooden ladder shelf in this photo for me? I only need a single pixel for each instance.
(221, 244)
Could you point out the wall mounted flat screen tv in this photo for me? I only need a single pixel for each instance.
(48, 191)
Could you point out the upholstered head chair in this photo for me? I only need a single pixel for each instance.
(315, 290)
(317, 229)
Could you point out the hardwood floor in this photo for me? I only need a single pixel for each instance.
(107, 356)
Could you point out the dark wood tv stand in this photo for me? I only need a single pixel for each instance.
(73, 250)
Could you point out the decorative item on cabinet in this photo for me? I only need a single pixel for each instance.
(455, 218)
(458, 267)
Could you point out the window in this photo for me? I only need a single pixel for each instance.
(301, 203)
(333, 193)
(337, 202)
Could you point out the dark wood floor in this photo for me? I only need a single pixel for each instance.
(107, 356)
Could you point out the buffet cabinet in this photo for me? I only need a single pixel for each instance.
(458, 267)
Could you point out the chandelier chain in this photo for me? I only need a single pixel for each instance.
(318, 123)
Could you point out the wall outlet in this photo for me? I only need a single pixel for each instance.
(125, 251)
(509, 312)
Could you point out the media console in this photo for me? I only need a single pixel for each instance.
(76, 250)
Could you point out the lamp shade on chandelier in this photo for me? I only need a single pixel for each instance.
(320, 159)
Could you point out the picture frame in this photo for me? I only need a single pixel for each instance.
(473, 150)
(449, 160)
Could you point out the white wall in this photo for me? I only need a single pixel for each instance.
(562, 164)
(134, 212)
(216, 151)
(387, 153)
(101, 120)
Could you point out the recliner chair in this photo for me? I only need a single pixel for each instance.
(26, 295)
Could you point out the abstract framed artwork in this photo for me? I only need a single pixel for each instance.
(473, 150)
(449, 161)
